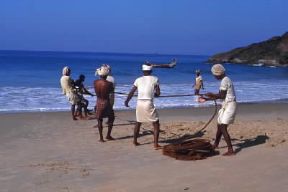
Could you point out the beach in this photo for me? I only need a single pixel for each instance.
(48, 151)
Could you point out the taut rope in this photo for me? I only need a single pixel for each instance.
(177, 95)
(187, 95)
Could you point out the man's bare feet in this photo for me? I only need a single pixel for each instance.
(136, 143)
(101, 140)
(74, 118)
(214, 146)
(110, 138)
(156, 147)
(229, 153)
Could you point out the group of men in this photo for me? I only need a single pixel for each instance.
(148, 87)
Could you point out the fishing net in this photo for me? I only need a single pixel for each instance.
(195, 149)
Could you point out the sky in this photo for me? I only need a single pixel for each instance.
(193, 27)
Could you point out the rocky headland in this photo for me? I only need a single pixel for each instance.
(272, 52)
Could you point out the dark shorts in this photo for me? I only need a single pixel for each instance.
(104, 109)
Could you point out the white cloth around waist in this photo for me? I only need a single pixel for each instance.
(227, 113)
(146, 111)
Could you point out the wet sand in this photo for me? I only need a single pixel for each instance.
(48, 151)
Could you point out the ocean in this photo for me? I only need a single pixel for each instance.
(30, 79)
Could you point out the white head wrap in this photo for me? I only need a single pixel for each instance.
(102, 71)
(65, 71)
(108, 66)
(146, 67)
(217, 70)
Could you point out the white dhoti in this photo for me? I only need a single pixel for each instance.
(73, 98)
(146, 111)
(227, 113)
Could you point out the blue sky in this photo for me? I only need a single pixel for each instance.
(133, 26)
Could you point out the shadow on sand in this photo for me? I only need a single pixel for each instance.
(141, 134)
(185, 137)
(245, 143)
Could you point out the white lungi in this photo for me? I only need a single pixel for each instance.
(227, 113)
(73, 98)
(146, 111)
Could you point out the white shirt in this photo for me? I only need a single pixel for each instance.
(146, 86)
(198, 83)
(227, 85)
(66, 84)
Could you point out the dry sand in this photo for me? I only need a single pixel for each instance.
(48, 152)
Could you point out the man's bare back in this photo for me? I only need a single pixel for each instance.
(103, 88)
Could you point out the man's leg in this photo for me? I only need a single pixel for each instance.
(217, 137)
(227, 138)
(79, 109)
(100, 128)
(156, 126)
(73, 112)
(110, 126)
(85, 106)
(136, 133)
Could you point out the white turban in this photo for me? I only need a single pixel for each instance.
(146, 67)
(217, 70)
(65, 71)
(102, 71)
(108, 66)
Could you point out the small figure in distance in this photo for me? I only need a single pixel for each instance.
(198, 84)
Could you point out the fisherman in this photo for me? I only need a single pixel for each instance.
(68, 89)
(198, 84)
(148, 87)
(103, 89)
(81, 91)
(226, 114)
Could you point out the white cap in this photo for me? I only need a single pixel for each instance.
(65, 71)
(102, 71)
(146, 67)
(217, 70)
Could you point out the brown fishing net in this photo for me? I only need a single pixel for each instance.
(195, 149)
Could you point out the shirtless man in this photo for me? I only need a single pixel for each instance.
(148, 87)
(103, 89)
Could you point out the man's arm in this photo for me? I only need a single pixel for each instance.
(130, 95)
(85, 91)
(95, 87)
(214, 96)
(157, 91)
(202, 84)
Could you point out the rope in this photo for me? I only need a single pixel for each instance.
(187, 95)
(176, 95)
(211, 118)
